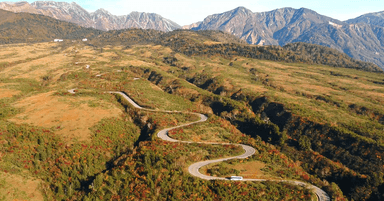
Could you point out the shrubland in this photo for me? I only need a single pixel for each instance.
(309, 122)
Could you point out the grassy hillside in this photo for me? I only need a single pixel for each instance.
(197, 43)
(308, 122)
(24, 27)
(215, 43)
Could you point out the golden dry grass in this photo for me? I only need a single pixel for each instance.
(130, 51)
(317, 88)
(185, 61)
(133, 62)
(8, 93)
(108, 54)
(22, 51)
(147, 54)
(255, 88)
(18, 188)
(294, 85)
(276, 65)
(298, 85)
(228, 85)
(250, 170)
(211, 43)
(155, 87)
(35, 69)
(155, 47)
(205, 135)
(377, 96)
(360, 84)
(105, 56)
(89, 53)
(185, 92)
(118, 47)
(72, 116)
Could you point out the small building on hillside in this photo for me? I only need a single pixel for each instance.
(58, 40)
(84, 39)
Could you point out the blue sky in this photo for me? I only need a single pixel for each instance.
(186, 12)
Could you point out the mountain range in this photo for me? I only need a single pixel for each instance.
(100, 19)
(31, 28)
(361, 38)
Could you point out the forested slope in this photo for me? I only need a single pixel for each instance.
(23, 27)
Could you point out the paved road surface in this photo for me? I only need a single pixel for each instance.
(194, 168)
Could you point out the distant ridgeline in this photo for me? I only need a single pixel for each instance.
(189, 43)
(24, 27)
(360, 38)
(214, 43)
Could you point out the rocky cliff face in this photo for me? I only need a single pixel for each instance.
(376, 19)
(276, 27)
(286, 25)
(193, 25)
(100, 19)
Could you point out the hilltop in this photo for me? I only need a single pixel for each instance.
(24, 27)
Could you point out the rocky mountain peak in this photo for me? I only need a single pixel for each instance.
(6, 4)
(191, 26)
(101, 11)
(59, 8)
(242, 9)
(306, 10)
(100, 19)
(239, 11)
(279, 11)
(286, 25)
(13, 3)
(376, 19)
(49, 3)
(379, 14)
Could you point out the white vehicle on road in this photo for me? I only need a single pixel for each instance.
(235, 178)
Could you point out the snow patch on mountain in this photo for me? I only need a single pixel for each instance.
(335, 25)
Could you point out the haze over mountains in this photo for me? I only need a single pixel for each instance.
(361, 38)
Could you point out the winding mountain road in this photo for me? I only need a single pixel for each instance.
(194, 168)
